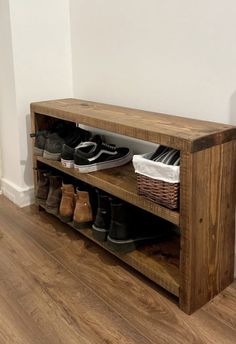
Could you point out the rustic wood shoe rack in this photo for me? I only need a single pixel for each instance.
(206, 217)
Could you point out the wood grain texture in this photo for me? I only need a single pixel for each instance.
(159, 262)
(207, 220)
(207, 198)
(120, 182)
(62, 307)
(173, 131)
(48, 273)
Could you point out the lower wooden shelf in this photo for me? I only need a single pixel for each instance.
(120, 182)
(159, 262)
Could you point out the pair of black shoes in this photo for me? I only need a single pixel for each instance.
(49, 144)
(126, 227)
(95, 155)
(166, 155)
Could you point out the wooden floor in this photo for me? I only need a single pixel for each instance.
(57, 287)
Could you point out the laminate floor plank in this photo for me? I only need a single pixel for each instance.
(71, 291)
(61, 306)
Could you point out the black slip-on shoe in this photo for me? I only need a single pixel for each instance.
(67, 156)
(68, 149)
(92, 156)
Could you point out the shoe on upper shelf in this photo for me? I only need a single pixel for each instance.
(55, 142)
(48, 143)
(67, 155)
(40, 140)
(166, 155)
(93, 156)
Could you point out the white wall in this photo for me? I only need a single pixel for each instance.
(176, 57)
(170, 56)
(9, 135)
(37, 66)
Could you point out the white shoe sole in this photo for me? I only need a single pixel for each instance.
(67, 163)
(38, 151)
(51, 156)
(104, 165)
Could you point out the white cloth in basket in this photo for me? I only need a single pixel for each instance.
(156, 170)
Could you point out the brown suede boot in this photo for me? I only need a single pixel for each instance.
(83, 212)
(54, 195)
(42, 188)
(67, 205)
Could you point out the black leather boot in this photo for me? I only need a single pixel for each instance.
(119, 227)
(132, 227)
(101, 225)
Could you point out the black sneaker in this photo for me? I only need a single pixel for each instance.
(67, 156)
(92, 156)
(68, 135)
(68, 151)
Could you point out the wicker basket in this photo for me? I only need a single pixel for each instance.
(156, 181)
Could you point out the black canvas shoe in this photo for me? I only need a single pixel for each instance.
(67, 156)
(94, 156)
(68, 151)
(67, 134)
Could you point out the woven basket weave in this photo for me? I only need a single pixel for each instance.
(158, 191)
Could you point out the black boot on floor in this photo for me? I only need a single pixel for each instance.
(102, 222)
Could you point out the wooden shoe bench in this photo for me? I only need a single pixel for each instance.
(202, 264)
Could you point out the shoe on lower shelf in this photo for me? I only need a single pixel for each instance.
(83, 216)
(131, 227)
(67, 205)
(54, 195)
(42, 188)
(93, 156)
(101, 225)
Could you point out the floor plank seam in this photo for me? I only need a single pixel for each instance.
(87, 286)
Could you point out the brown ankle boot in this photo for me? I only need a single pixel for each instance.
(83, 212)
(42, 189)
(67, 205)
(54, 195)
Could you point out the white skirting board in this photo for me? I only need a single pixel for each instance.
(18, 195)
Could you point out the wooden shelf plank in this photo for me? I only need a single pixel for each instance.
(185, 134)
(120, 182)
(159, 261)
(151, 262)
